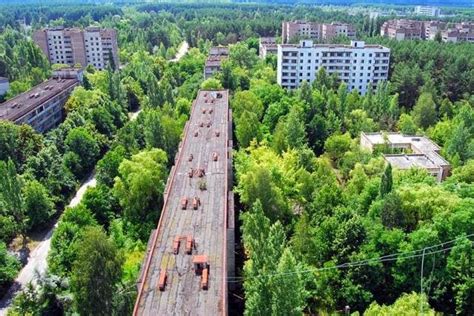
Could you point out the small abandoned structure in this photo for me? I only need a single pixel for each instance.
(417, 152)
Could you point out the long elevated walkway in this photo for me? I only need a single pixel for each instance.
(193, 242)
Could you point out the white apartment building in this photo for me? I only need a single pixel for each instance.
(357, 64)
(91, 46)
(427, 11)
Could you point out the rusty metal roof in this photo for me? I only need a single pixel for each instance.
(207, 225)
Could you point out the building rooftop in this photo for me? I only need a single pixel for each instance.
(23, 103)
(219, 51)
(206, 136)
(267, 40)
(309, 43)
(404, 161)
(103, 31)
(426, 152)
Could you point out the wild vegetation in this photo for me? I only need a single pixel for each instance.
(324, 223)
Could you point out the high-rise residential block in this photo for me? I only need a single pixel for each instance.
(461, 32)
(42, 106)
(358, 65)
(267, 46)
(403, 29)
(214, 60)
(315, 31)
(427, 11)
(420, 30)
(71, 46)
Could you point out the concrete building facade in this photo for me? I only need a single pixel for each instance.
(422, 152)
(357, 64)
(461, 32)
(70, 46)
(315, 31)
(426, 30)
(427, 11)
(214, 60)
(267, 46)
(42, 107)
(403, 29)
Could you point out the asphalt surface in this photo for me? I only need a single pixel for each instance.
(37, 261)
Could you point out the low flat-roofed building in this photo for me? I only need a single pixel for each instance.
(214, 60)
(4, 85)
(42, 106)
(424, 153)
(267, 46)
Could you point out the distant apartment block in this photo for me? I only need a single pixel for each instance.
(420, 30)
(214, 60)
(315, 31)
(267, 46)
(461, 32)
(4, 85)
(357, 64)
(421, 152)
(336, 29)
(70, 46)
(42, 106)
(403, 29)
(431, 28)
(427, 11)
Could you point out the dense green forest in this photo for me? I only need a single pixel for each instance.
(324, 223)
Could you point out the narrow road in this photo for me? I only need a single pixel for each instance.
(183, 49)
(37, 261)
